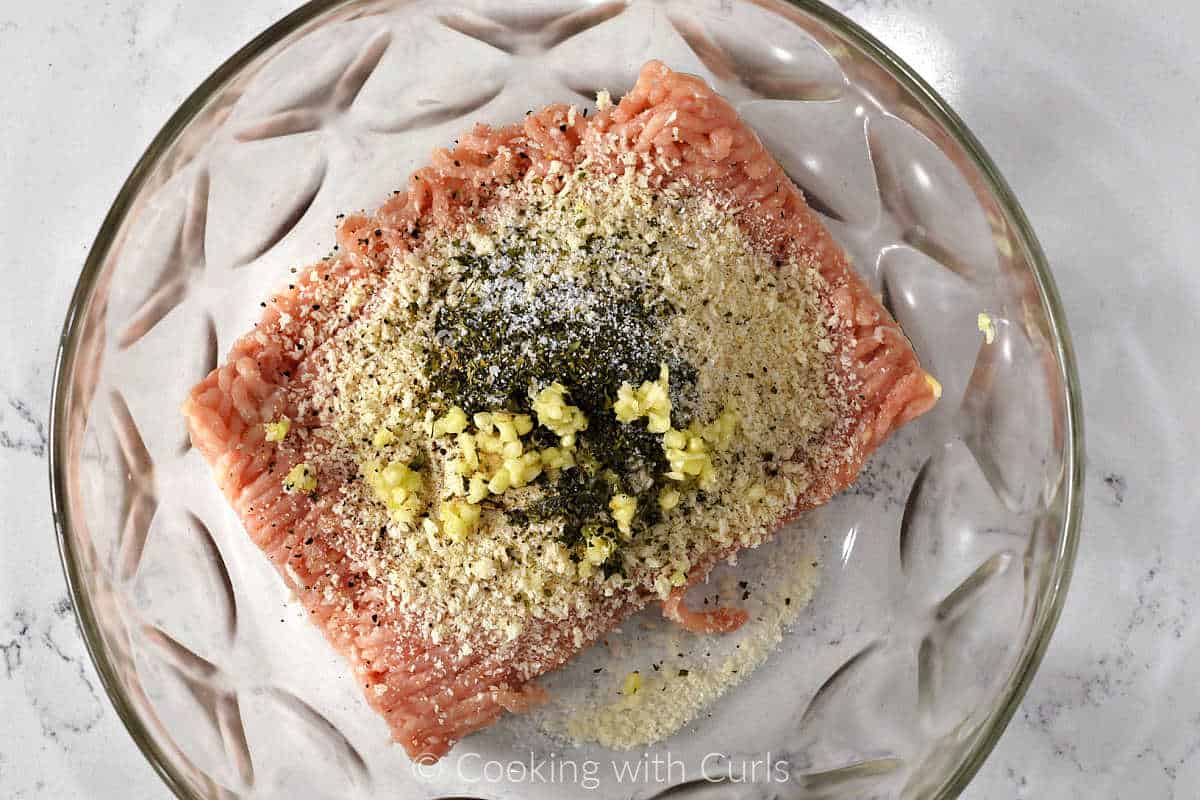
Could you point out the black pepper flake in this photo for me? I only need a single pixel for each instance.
(309, 540)
(787, 601)
(683, 673)
(562, 127)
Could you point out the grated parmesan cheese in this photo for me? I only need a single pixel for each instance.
(680, 674)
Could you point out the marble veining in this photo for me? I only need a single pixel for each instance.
(21, 429)
(1089, 111)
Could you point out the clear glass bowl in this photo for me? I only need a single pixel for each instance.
(941, 572)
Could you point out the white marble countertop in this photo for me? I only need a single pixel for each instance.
(1090, 108)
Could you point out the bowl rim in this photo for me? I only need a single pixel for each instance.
(993, 725)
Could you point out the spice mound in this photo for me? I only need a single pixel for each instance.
(590, 392)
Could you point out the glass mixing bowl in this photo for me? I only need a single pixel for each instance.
(940, 574)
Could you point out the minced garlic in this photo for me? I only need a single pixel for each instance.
(650, 400)
(459, 519)
(555, 413)
(599, 549)
(301, 479)
(399, 489)
(623, 508)
(477, 490)
(382, 438)
(688, 455)
(454, 421)
(277, 431)
(986, 327)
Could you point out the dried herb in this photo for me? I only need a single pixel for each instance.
(502, 342)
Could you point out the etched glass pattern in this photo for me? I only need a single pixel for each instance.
(941, 569)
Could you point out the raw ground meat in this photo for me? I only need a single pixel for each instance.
(430, 694)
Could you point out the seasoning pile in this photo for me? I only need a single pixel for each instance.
(595, 389)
